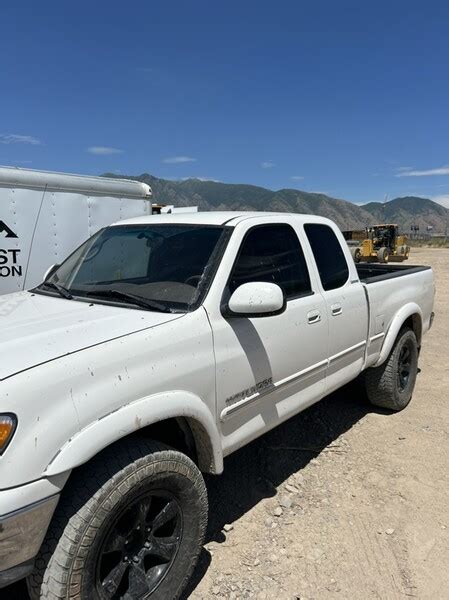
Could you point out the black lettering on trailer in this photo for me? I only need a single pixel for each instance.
(14, 271)
(9, 232)
(14, 252)
(8, 263)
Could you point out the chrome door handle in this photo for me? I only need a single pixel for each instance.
(314, 316)
(336, 309)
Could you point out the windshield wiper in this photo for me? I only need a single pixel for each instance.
(131, 298)
(59, 288)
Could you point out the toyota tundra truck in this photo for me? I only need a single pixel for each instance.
(160, 346)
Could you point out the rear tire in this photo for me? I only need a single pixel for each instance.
(391, 384)
(130, 525)
(403, 252)
(382, 255)
(356, 254)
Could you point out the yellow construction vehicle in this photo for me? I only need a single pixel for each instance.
(379, 243)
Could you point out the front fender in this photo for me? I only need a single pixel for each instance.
(88, 442)
(410, 309)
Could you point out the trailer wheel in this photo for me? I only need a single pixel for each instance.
(129, 525)
(391, 384)
(382, 255)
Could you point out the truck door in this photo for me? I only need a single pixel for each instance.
(346, 304)
(268, 368)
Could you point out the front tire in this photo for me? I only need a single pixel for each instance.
(382, 255)
(130, 526)
(391, 384)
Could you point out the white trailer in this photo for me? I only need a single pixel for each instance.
(44, 216)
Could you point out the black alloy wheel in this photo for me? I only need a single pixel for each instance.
(404, 366)
(139, 548)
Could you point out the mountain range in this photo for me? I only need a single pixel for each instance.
(214, 195)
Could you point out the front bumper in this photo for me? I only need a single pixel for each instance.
(21, 535)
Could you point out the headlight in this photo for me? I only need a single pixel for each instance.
(8, 424)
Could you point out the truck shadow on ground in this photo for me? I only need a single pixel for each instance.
(255, 471)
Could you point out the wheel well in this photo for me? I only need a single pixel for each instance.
(172, 432)
(414, 323)
(185, 435)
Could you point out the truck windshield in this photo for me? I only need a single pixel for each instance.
(158, 267)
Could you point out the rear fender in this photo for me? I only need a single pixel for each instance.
(405, 312)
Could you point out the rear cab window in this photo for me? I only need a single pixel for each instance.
(272, 253)
(329, 256)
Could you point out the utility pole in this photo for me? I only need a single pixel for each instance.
(384, 207)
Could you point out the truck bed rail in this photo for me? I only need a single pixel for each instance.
(370, 273)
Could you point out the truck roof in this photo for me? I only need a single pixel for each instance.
(217, 218)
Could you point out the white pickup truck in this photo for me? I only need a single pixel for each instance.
(156, 349)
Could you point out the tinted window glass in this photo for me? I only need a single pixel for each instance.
(169, 264)
(272, 253)
(329, 257)
(122, 257)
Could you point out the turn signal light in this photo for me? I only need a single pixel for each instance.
(8, 425)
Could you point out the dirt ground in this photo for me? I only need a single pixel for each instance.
(343, 501)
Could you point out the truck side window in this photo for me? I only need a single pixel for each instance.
(272, 253)
(329, 257)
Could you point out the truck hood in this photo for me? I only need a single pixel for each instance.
(35, 329)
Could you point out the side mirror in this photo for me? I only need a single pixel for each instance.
(256, 299)
(49, 272)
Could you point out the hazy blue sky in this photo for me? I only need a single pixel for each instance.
(348, 98)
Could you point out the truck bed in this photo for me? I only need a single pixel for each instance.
(388, 292)
(372, 272)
